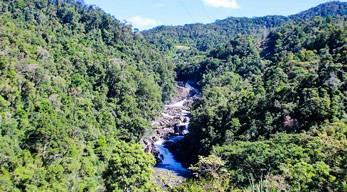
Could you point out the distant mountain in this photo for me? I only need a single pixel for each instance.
(333, 8)
(204, 37)
(207, 36)
(260, 99)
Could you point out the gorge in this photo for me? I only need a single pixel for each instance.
(171, 128)
(87, 103)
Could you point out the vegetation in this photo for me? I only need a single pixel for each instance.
(275, 108)
(79, 89)
(206, 37)
(76, 86)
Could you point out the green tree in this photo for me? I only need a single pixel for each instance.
(129, 168)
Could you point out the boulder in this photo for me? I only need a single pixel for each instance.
(181, 129)
(155, 138)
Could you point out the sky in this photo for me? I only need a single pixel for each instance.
(147, 14)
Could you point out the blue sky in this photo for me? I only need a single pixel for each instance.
(146, 14)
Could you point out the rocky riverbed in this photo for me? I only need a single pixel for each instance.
(169, 128)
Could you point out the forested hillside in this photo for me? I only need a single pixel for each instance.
(332, 9)
(77, 90)
(204, 37)
(209, 36)
(275, 109)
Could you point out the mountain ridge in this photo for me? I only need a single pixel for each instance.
(207, 36)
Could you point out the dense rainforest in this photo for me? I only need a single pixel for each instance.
(274, 108)
(79, 89)
(205, 37)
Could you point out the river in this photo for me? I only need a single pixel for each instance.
(169, 164)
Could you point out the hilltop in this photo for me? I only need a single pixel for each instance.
(79, 91)
(204, 37)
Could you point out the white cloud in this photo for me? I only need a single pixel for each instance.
(142, 22)
(159, 5)
(231, 4)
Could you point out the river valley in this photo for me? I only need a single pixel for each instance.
(170, 128)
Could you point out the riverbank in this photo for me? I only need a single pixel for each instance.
(170, 128)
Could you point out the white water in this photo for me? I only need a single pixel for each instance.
(193, 88)
(169, 163)
(178, 104)
(167, 115)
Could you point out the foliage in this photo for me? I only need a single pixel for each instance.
(208, 166)
(203, 185)
(79, 89)
(129, 168)
(266, 105)
(75, 84)
(209, 176)
(209, 36)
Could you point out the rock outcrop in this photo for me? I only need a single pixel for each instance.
(173, 121)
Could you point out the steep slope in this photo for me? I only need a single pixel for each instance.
(77, 88)
(332, 9)
(205, 37)
(274, 109)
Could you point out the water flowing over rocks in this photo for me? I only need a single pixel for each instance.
(171, 127)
